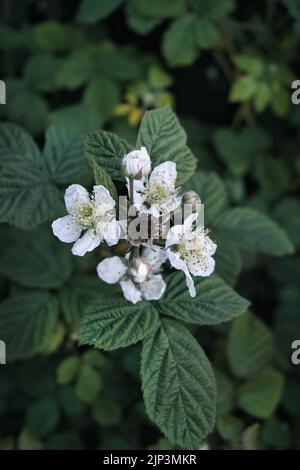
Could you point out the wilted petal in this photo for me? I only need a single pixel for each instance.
(111, 270)
(204, 266)
(153, 288)
(66, 229)
(130, 291)
(88, 242)
(75, 196)
(103, 196)
(181, 265)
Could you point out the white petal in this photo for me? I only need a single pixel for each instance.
(66, 229)
(137, 163)
(164, 174)
(110, 231)
(210, 247)
(178, 263)
(154, 288)
(102, 196)
(188, 223)
(75, 196)
(174, 235)
(138, 191)
(88, 242)
(202, 267)
(111, 270)
(155, 255)
(130, 291)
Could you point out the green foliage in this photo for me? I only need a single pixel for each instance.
(173, 360)
(250, 345)
(26, 320)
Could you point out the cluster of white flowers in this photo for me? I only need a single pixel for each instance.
(187, 246)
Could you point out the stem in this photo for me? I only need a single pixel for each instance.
(131, 189)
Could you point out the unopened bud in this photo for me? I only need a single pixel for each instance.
(136, 164)
(191, 198)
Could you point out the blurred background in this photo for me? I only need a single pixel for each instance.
(226, 67)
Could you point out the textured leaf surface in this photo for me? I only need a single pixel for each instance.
(27, 321)
(115, 323)
(65, 156)
(178, 384)
(36, 259)
(250, 345)
(27, 195)
(165, 139)
(254, 231)
(215, 301)
(107, 150)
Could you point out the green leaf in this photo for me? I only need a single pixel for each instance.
(26, 322)
(225, 395)
(39, 70)
(212, 192)
(178, 385)
(42, 416)
(91, 11)
(89, 384)
(64, 155)
(140, 24)
(243, 89)
(74, 70)
(261, 395)
(102, 95)
(115, 323)
(106, 412)
(159, 8)
(103, 178)
(230, 427)
(277, 433)
(27, 440)
(215, 302)
(67, 370)
(206, 33)
(251, 64)
(179, 45)
(54, 36)
(253, 231)
(107, 150)
(27, 195)
(165, 139)
(228, 259)
(77, 294)
(250, 345)
(213, 9)
(79, 117)
(35, 259)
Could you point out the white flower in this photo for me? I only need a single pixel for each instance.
(153, 288)
(138, 280)
(131, 291)
(111, 270)
(191, 250)
(137, 163)
(158, 194)
(94, 214)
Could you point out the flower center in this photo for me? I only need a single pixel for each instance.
(156, 193)
(85, 216)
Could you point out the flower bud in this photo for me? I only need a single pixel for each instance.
(136, 164)
(191, 198)
(140, 270)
